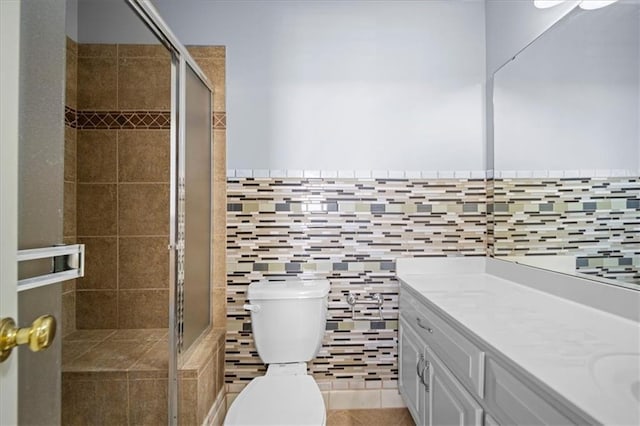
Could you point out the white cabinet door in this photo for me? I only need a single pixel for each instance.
(450, 403)
(411, 365)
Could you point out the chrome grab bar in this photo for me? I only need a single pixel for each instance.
(67, 263)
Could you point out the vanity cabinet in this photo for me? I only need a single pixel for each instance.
(450, 377)
(413, 367)
(432, 393)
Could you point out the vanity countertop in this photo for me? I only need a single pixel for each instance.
(588, 356)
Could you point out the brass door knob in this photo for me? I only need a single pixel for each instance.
(39, 336)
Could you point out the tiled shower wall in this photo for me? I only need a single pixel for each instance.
(123, 185)
(119, 111)
(595, 219)
(349, 231)
(70, 184)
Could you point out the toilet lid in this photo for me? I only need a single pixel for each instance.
(278, 400)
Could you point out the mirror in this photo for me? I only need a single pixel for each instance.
(567, 148)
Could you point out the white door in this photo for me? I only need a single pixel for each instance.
(9, 83)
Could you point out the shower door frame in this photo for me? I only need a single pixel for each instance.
(180, 60)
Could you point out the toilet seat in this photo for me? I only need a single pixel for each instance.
(278, 400)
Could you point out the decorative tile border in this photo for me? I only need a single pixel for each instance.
(219, 120)
(109, 120)
(350, 232)
(70, 117)
(124, 120)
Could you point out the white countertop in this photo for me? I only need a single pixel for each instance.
(580, 352)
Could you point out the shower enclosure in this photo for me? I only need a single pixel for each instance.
(190, 223)
(126, 178)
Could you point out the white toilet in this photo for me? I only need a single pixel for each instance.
(288, 321)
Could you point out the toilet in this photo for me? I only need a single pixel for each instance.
(288, 321)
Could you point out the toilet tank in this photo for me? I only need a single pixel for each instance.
(288, 319)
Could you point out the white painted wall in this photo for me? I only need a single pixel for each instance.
(513, 24)
(111, 21)
(339, 84)
(570, 100)
(71, 19)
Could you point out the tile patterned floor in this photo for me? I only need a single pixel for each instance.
(379, 417)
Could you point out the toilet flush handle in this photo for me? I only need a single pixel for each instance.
(252, 308)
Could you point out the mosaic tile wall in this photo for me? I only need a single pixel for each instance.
(349, 231)
(595, 219)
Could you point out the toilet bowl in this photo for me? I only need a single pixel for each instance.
(278, 400)
(288, 321)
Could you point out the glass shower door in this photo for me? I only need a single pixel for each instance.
(195, 292)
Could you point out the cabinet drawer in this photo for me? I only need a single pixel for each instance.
(513, 402)
(459, 354)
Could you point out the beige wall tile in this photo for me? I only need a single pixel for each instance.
(97, 83)
(68, 313)
(220, 369)
(206, 51)
(101, 263)
(219, 305)
(97, 209)
(96, 309)
(188, 404)
(143, 308)
(97, 156)
(78, 398)
(143, 262)
(90, 50)
(70, 285)
(111, 402)
(70, 154)
(219, 263)
(144, 155)
(69, 222)
(148, 402)
(206, 389)
(72, 46)
(143, 51)
(143, 209)
(214, 69)
(144, 83)
(220, 154)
